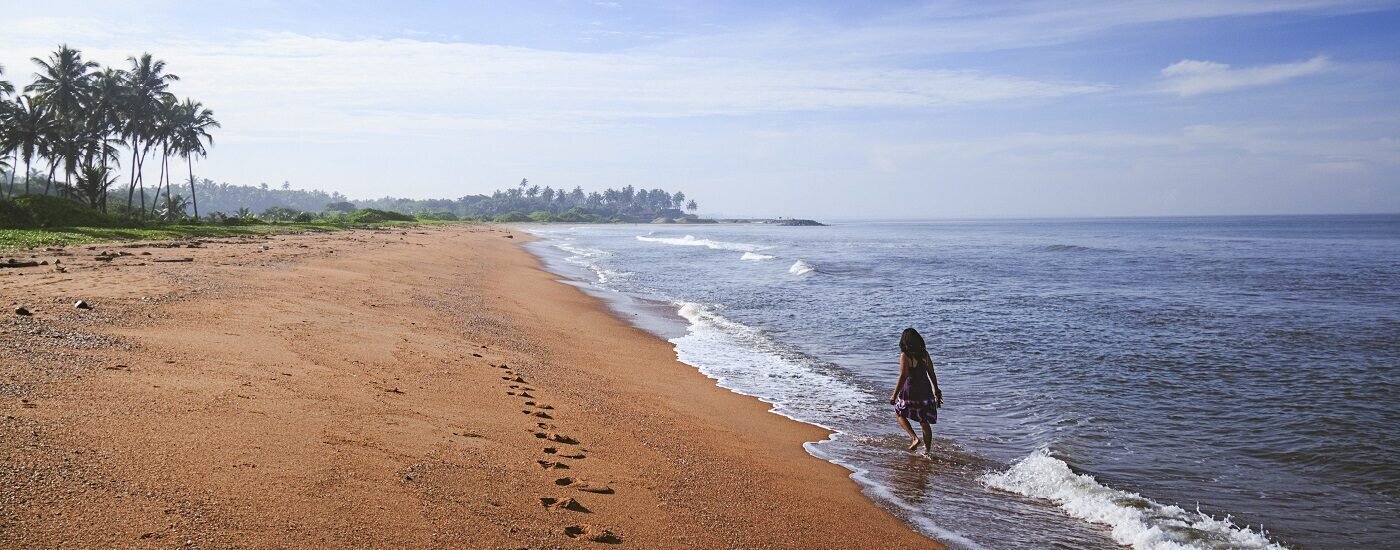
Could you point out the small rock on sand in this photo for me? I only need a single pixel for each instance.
(22, 311)
(81, 305)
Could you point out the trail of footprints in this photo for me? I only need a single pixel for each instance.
(560, 449)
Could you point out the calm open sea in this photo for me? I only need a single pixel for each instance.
(1221, 382)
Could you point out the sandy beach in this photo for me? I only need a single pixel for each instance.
(391, 388)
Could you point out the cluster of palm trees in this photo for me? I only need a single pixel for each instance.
(75, 116)
(626, 201)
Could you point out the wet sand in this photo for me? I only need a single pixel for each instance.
(405, 388)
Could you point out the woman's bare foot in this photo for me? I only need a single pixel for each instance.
(914, 444)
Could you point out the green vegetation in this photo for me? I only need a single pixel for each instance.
(40, 221)
(371, 215)
(546, 204)
(44, 211)
(63, 236)
(75, 116)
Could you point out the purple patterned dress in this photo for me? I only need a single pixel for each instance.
(916, 400)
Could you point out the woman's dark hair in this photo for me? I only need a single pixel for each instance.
(912, 344)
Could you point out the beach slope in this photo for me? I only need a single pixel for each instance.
(389, 388)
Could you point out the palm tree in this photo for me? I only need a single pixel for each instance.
(162, 127)
(104, 101)
(62, 80)
(93, 183)
(6, 146)
(5, 86)
(66, 147)
(691, 206)
(62, 83)
(192, 126)
(29, 125)
(173, 208)
(147, 82)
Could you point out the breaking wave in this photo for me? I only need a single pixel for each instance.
(755, 257)
(1072, 249)
(690, 240)
(801, 267)
(1134, 520)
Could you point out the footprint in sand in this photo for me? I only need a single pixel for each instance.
(588, 532)
(584, 485)
(550, 434)
(541, 414)
(566, 503)
(552, 465)
(551, 450)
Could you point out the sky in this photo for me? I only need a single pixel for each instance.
(944, 109)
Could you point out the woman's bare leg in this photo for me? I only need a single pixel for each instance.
(928, 436)
(904, 423)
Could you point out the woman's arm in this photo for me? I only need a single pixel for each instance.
(933, 377)
(903, 374)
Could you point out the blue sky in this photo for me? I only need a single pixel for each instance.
(822, 109)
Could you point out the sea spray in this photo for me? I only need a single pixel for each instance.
(1134, 520)
(755, 257)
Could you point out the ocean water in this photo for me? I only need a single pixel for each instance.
(1221, 382)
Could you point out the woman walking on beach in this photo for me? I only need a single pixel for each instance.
(916, 395)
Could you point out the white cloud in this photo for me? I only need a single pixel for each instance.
(958, 26)
(1191, 77)
(289, 84)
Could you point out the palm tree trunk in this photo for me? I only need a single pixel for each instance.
(165, 163)
(53, 169)
(103, 152)
(26, 176)
(141, 179)
(131, 189)
(14, 166)
(189, 161)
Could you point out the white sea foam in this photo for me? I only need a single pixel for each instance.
(587, 258)
(1134, 520)
(690, 240)
(801, 267)
(742, 359)
(579, 250)
(755, 257)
